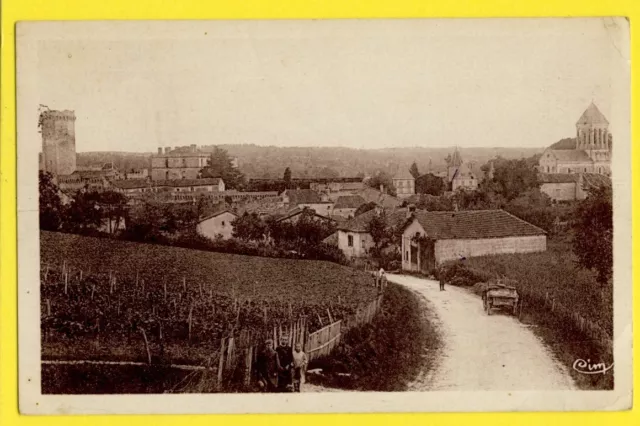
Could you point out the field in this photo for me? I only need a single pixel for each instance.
(106, 299)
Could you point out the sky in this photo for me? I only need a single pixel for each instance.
(360, 84)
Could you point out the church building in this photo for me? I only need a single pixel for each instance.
(591, 152)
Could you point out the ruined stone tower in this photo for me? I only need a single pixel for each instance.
(58, 141)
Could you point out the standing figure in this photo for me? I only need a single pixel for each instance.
(441, 277)
(300, 362)
(285, 355)
(268, 366)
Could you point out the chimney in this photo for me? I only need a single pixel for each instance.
(193, 147)
(167, 150)
(159, 150)
(411, 209)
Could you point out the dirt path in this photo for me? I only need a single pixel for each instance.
(482, 352)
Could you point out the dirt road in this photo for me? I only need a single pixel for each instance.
(482, 352)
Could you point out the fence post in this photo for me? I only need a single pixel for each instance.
(221, 362)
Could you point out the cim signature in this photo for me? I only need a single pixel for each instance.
(585, 367)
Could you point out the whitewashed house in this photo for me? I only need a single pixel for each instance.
(217, 225)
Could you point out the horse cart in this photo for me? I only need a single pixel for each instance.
(500, 295)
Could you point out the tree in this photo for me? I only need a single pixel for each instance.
(430, 184)
(380, 232)
(51, 208)
(593, 238)
(248, 227)
(513, 177)
(382, 179)
(83, 214)
(414, 170)
(287, 177)
(112, 207)
(220, 165)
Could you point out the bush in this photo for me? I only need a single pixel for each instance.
(462, 274)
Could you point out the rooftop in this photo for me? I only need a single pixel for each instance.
(592, 115)
(303, 196)
(474, 224)
(361, 223)
(570, 155)
(349, 202)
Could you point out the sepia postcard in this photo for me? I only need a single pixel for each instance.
(324, 216)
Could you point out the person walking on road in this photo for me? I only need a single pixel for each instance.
(441, 277)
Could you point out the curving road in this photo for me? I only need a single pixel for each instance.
(482, 352)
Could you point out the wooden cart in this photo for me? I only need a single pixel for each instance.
(498, 295)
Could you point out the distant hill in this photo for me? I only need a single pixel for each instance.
(566, 143)
(270, 161)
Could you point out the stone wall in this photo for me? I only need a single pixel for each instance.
(456, 249)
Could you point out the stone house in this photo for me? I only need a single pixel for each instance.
(354, 239)
(307, 198)
(217, 225)
(404, 183)
(569, 186)
(430, 238)
(179, 163)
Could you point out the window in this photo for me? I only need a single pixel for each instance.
(223, 223)
(362, 243)
(350, 240)
(406, 255)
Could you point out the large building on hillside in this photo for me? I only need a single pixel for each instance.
(58, 141)
(180, 163)
(591, 152)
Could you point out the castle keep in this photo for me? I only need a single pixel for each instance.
(58, 141)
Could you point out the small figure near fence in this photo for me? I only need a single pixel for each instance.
(285, 355)
(300, 362)
(268, 366)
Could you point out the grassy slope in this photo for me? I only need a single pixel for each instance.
(387, 354)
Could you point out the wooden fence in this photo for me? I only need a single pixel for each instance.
(588, 327)
(240, 353)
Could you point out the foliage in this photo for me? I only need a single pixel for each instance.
(430, 184)
(593, 240)
(387, 354)
(223, 292)
(383, 179)
(287, 177)
(248, 227)
(220, 165)
(513, 177)
(51, 208)
(433, 203)
(414, 170)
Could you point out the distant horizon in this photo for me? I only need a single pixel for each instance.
(451, 147)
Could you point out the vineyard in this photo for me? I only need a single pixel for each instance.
(107, 299)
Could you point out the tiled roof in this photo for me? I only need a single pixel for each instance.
(296, 211)
(570, 155)
(132, 183)
(403, 174)
(332, 239)
(187, 182)
(592, 115)
(384, 200)
(474, 224)
(361, 223)
(349, 202)
(303, 196)
(217, 213)
(557, 178)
